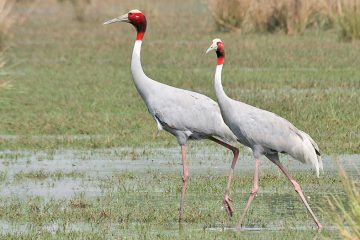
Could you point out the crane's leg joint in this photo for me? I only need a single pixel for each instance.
(296, 186)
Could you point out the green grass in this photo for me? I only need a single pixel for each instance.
(72, 78)
(41, 175)
(145, 206)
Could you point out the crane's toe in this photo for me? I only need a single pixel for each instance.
(227, 204)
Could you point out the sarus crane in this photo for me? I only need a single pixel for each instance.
(185, 114)
(265, 133)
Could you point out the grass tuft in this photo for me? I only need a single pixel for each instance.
(345, 212)
(349, 19)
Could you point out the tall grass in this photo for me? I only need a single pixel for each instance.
(80, 7)
(3, 84)
(345, 214)
(7, 19)
(290, 16)
(9, 16)
(349, 19)
(229, 14)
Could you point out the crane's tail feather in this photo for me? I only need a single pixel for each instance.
(311, 153)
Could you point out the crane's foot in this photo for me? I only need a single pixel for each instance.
(227, 205)
(319, 226)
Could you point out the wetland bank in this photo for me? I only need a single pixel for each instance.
(81, 158)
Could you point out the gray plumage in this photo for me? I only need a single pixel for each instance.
(265, 132)
(183, 113)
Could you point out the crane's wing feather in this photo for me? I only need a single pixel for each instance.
(189, 111)
(255, 126)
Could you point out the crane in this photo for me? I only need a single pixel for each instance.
(185, 114)
(265, 133)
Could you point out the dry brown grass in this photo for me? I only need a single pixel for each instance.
(7, 19)
(349, 19)
(264, 15)
(291, 16)
(80, 7)
(229, 14)
(9, 16)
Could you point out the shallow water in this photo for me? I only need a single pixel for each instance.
(92, 165)
(65, 175)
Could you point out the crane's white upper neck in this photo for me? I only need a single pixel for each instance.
(142, 82)
(136, 68)
(218, 72)
(219, 91)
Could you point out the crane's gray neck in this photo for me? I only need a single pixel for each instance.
(142, 82)
(219, 91)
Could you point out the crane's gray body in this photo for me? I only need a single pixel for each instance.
(265, 132)
(183, 113)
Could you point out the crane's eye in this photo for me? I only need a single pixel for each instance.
(130, 13)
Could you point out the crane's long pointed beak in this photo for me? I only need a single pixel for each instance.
(123, 18)
(209, 49)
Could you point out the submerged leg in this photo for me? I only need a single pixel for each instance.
(184, 180)
(299, 191)
(253, 192)
(227, 199)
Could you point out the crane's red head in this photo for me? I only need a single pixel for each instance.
(136, 18)
(218, 46)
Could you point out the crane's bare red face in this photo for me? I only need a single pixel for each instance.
(220, 53)
(138, 20)
(218, 46)
(220, 49)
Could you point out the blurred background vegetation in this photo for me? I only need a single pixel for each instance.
(64, 74)
(290, 16)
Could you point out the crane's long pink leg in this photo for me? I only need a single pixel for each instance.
(299, 191)
(227, 199)
(184, 179)
(253, 192)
